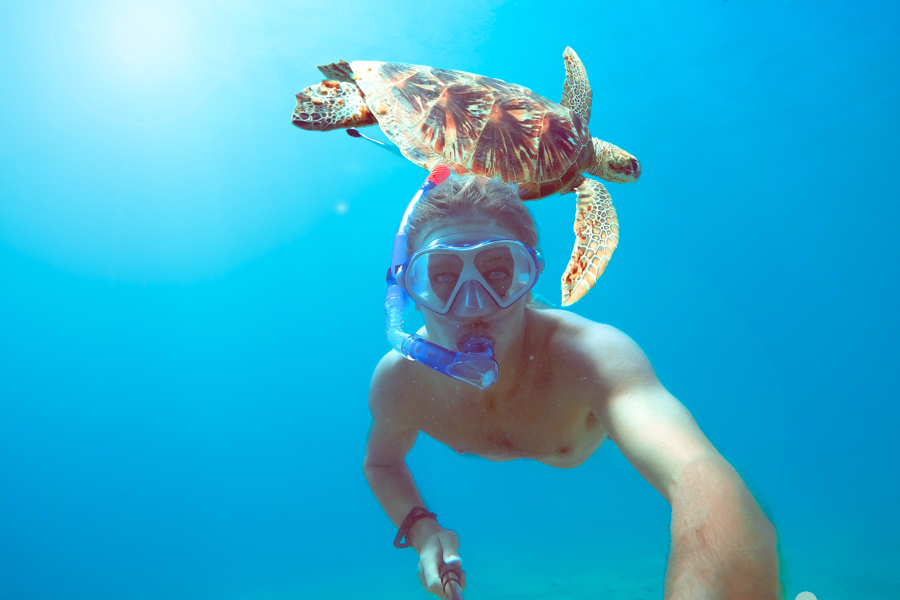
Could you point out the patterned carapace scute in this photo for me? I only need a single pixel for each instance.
(483, 125)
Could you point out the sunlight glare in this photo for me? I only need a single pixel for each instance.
(146, 40)
(144, 61)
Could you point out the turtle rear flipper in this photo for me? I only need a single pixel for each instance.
(577, 93)
(596, 237)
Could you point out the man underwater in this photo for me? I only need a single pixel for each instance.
(566, 384)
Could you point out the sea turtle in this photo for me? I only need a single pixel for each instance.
(476, 124)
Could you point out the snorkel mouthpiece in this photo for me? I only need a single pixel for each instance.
(475, 364)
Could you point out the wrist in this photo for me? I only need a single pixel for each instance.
(421, 531)
(416, 514)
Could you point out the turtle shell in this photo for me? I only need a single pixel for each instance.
(477, 124)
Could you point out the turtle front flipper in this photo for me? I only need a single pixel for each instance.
(331, 105)
(338, 71)
(596, 237)
(577, 93)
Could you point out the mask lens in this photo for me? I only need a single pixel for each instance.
(433, 277)
(443, 273)
(498, 269)
(508, 269)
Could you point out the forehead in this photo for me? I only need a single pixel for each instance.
(486, 226)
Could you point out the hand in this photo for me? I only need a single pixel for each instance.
(437, 547)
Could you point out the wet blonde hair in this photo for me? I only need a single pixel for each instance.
(472, 196)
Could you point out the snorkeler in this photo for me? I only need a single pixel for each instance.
(503, 378)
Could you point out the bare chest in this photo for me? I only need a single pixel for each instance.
(559, 433)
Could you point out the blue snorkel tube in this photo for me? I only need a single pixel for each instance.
(475, 365)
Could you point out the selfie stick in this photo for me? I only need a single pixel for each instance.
(450, 574)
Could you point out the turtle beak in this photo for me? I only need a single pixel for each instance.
(301, 116)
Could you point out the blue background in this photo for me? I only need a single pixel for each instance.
(191, 289)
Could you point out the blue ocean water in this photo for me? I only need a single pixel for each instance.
(191, 293)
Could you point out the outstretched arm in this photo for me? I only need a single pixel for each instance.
(391, 437)
(723, 546)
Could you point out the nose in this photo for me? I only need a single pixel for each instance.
(473, 301)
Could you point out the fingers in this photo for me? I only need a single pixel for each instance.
(429, 565)
(442, 549)
(452, 576)
(450, 550)
(449, 545)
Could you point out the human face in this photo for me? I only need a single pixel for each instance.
(487, 272)
(474, 310)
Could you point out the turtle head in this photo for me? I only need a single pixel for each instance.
(331, 105)
(614, 164)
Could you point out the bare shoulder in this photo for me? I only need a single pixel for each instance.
(396, 417)
(652, 428)
(604, 352)
(391, 390)
(400, 388)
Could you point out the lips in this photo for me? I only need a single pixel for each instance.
(468, 331)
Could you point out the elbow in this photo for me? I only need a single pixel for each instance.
(374, 469)
(368, 467)
(707, 475)
(370, 472)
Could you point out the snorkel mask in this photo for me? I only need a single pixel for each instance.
(475, 364)
(472, 273)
